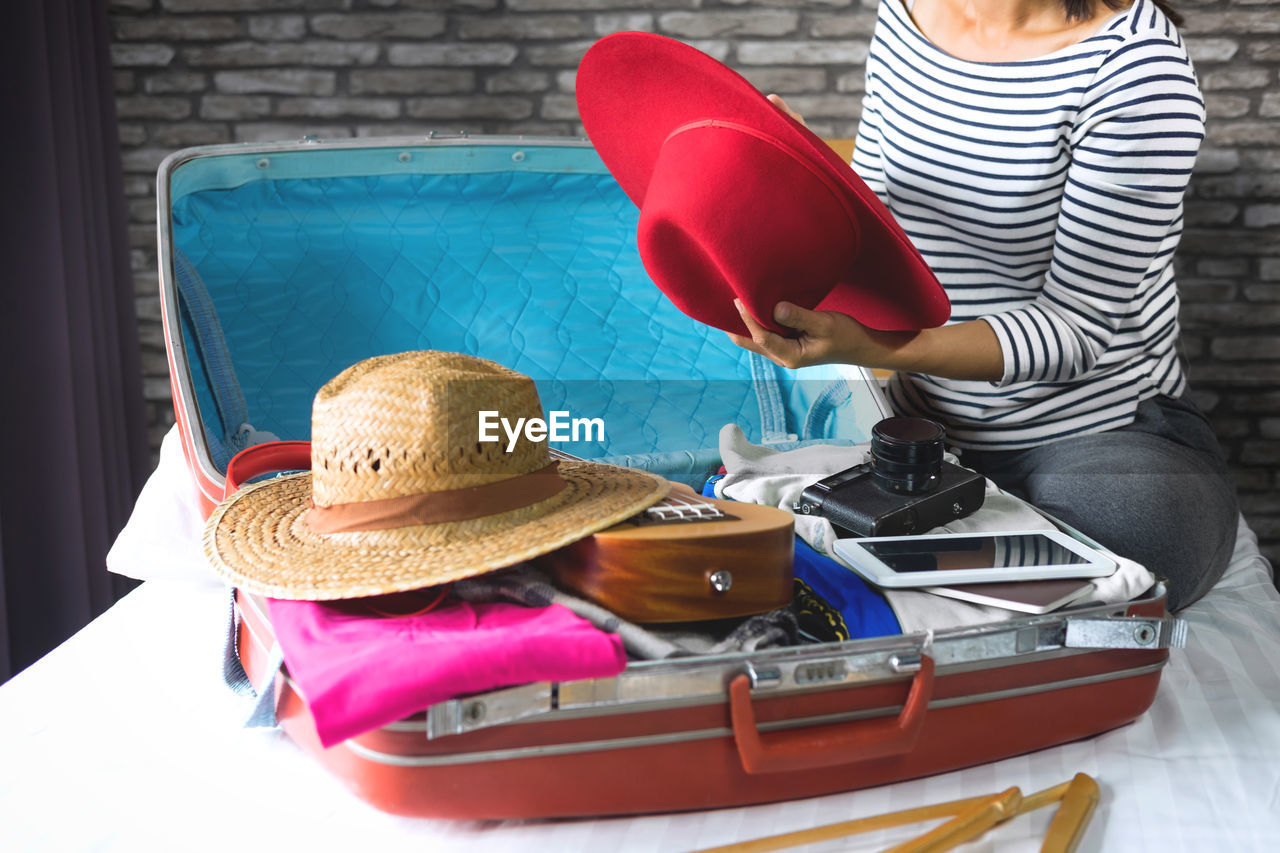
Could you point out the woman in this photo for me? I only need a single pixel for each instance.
(1037, 153)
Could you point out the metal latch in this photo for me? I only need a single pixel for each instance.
(1136, 633)
(458, 716)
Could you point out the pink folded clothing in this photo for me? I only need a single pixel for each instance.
(359, 670)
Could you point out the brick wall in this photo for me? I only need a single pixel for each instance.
(193, 72)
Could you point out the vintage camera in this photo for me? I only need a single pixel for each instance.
(906, 488)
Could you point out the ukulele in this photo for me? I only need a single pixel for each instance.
(685, 559)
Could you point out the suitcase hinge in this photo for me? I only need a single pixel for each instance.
(1128, 633)
(458, 716)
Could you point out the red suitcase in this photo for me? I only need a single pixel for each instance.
(282, 264)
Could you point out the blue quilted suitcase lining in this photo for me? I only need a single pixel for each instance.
(291, 265)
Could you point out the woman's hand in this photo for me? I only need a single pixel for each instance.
(968, 350)
(782, 105)
(825, 336)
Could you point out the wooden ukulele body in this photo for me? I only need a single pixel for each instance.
(686, 570)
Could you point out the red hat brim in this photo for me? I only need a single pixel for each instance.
(635, 89)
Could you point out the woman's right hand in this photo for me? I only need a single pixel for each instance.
(777, 101)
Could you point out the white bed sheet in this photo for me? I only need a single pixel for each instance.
(124, 738)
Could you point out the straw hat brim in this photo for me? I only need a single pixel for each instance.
(258, 539)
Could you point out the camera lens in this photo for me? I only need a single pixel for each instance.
(906, 454)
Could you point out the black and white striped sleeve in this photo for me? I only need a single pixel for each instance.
(1133, 146)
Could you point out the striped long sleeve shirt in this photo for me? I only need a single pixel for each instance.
(1046, 195)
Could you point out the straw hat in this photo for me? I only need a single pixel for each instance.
(402, 493)
(737, 199)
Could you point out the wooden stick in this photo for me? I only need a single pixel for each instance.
(919, 814)
(967, 825)
(1072, 819)
(850, 827)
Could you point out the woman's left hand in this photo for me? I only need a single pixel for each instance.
(825, 337)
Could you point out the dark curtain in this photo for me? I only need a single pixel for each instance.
(73, 451)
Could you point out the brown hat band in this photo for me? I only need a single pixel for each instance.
(436, 507)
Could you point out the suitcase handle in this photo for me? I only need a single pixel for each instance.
(263, 459)
(825, 746)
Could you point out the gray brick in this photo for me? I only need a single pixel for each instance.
(144, 160)
(124, 81)
(132, 134)
(1262, 215)
(825, 106)
(241, 54)
(1246, 348)
(1263, 160)
(641, 22)
(1231, 21)
(379, 108)
(478, 53)
(842, 25)
(521, 27)
(1230, 316)
(135, 55)
(1264, 51)
(182, 134)
(1269, 269)
(1236, 78)
(1211, 49)
(787, 80)
(405, 25)
(563, 107)
(1265, 292)
(567, 81)
(243, 5)
(140, 106)
(135, 185)
(176, 29)
(1258, 402)
(1239, 186)
(851, 82)
(170, 82)
(234, 107)
(434, 5)
(282, 81)
(1228, 133)
(141, 210)
(155, 388)
(1270, 108)
(129, 5)
(1217, 105)
(1216, 161)
(515, 82)
(1193, 290)
(510, 109)
(277, 27)
(1222, 268)
(832, 4)
(593, 5)
(566, 53)
(426, 81)
(1261, 453)
(802, 53)
(282, 132)
(714, 25)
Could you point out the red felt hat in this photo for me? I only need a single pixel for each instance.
(737, 199)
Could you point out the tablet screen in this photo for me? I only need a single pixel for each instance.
(931, 554)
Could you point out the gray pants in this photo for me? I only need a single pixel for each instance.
(1155, 491)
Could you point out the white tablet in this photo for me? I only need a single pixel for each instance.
(959, 558)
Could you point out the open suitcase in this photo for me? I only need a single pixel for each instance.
(280, 265)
